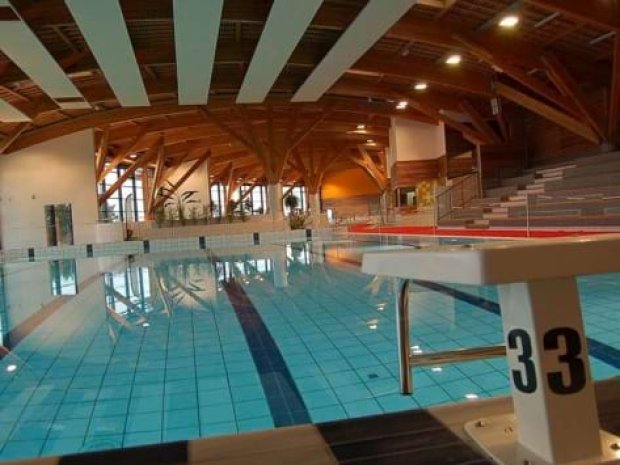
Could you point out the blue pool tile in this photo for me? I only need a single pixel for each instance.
(323, 414)
(218, 429)
(146, 404)
(102, 442)
(251, 409)
(21, 449)
(143, 438)
(362, 408)
(397, 402)
(322, 398)
(214, 397)
(69, 428)
(181, 434)
(180, 401)
(353, 392)
(433, 395)
(142, 422)
(184, 418)
(107, 426)
(62, 446)
(108, 408)
(217, 414)
(255, 424)
(31, 430)
(146, 390)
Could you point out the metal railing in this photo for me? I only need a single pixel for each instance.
(407, 360)
(459, 195)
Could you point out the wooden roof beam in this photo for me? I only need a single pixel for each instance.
(548, 112)
(140, 162)
(559, 75)
(479, 122)
(598, 13)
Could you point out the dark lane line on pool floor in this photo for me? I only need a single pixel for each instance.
(285, 402)
(597, 349)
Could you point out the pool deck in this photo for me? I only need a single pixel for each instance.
(416, 437)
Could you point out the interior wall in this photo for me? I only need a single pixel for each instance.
(54, 172)
(413, 140)
(350, 192)
(198, 181)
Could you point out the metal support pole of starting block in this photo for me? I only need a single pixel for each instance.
(555, 417)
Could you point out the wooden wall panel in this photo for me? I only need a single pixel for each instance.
(409, 173)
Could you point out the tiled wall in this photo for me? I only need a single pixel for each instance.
(160, 245)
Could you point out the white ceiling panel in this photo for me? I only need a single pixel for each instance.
(103, 26)
(196, 29)
(24, 49)
(287, 22)
(10, 114)
(367, 28)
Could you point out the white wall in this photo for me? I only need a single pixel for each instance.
(54, 172)
(413, 140)
(198, 181)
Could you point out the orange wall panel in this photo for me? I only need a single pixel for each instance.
(348, 183)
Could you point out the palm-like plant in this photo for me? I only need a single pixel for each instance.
(291, 201)
(177, 201)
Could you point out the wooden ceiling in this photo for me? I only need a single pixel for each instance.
(559, 51)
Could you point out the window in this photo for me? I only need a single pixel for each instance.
(127, 203)
(255, 200)
(299, 192)
(63, 277)
(218, 199)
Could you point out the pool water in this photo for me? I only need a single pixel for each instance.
(157, 348)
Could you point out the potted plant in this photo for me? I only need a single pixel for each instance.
(160, 216)
(177, 201)
(291, 201)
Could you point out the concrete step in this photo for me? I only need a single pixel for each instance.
(554, 171)
(494, 216)
(478, 224)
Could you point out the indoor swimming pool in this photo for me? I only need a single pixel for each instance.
(124, 351)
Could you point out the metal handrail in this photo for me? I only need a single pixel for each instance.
(407, 360)
(458, 187)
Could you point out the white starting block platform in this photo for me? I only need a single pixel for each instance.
(556, 419)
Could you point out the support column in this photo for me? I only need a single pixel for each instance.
(314, 202)
(274, 196)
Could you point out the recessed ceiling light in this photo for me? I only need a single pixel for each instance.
(402, 105)
(370, 141)
(509, 21)
(11, 368)
(437, 369)
(421, 86)
(361, 127)
(146, 324)
(453, 59)
(471, 396)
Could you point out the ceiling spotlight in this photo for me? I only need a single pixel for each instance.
(453, 59)
(361, 127)
(471, 396)
(402, 105)
(509, 21)
(437, 369)
(421, 86)
(11, 368)
(372, 324)
(370, 141)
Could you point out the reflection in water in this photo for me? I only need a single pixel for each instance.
(63, 277)
(4, 327)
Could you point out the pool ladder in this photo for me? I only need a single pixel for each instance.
(407, 360)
